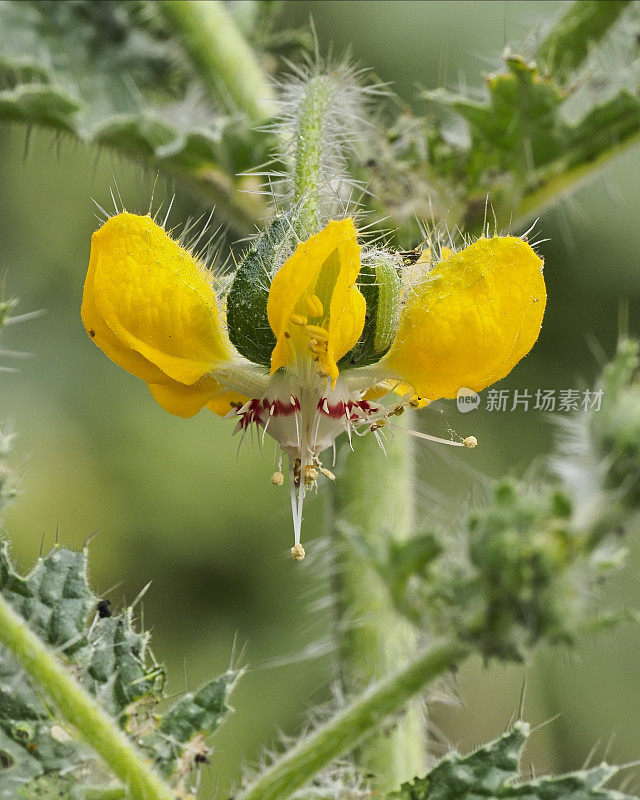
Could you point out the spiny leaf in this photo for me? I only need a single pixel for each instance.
(492, 772)
(108, 656)
(187, 723)
(54, 599)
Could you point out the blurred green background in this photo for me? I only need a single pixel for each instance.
(175, 505)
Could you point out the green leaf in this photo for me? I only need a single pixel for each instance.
(181, 734)
(523, 150)
(54, 598)
(107, 73)
(493, 772)
(109, 658)
(582, 26)
(517, 129)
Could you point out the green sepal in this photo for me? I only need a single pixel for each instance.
(247, 321)
(379, 283)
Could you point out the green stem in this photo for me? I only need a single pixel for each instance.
(550, 192)
(222, 57)
(309, 155)
(375, 495)
(344, 731)
(584, 23)
(100, 793)
(80, 709)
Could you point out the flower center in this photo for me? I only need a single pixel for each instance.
(305, 415)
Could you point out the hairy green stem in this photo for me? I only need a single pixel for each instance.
(347, 729)
(80, 709)
(584, 23)
(375, 495)
(222, 57)
(309, 157)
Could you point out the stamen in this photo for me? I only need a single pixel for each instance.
(420, 435)
(313, 305)
(298, 319)
(327, 473)
(277, 479)
(317, 332)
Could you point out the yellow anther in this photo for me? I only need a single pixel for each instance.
(470, 442)
(316, 332)
(298, 319)
(328, 474)
(313, 305)
(310, 474)
(277, 479)
(297, 552)
(316, 347)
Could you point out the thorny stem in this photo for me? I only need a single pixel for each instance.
(80, 709)
(375, 494)
(308, 150)
(221, 55)
(347, 729)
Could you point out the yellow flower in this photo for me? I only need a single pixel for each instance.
(466, 321)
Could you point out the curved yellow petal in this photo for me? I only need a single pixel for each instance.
(154, 299)
(107, 341)
(475, 316)
(186, 401)
(314, 299)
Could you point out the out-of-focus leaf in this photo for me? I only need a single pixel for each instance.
(522, 149)
(581, 26)
(107, 73)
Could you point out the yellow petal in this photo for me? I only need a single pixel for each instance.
(225, 400)
(107, 341)
(150, 302)
(186, 401)
(475, 316)
(321, 274)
